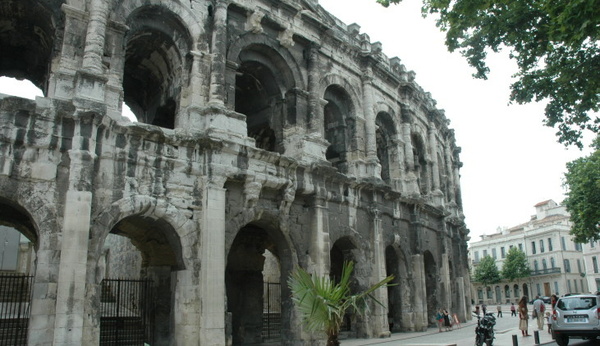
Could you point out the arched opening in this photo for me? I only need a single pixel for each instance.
(257, 297)
(138, 257)
(384, 133)
(431, 287)
(516, 291)
(261, 93)
(526, 291)
(399, 295)
(344, 250)
(420, 162)
(338, 125)
(20, 88)
(155, 59)
(498, 295)
(27, 40)
(18, 243)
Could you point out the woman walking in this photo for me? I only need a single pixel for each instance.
(523, 316)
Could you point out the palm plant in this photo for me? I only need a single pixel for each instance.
(323, 303)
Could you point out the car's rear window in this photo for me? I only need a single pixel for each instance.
(576, 303)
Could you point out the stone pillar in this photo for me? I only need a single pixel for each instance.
(371, 143)
(320, 244)
(219, 55)
(445, 276)
(435, 170)
(315, 109)
(408, 149)
(212, 257)
(71, 289)
(463, 306)
(94, 38)
(379, 320)
(420, 295)
(194, 98)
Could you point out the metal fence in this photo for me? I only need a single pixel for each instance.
(15, 296)
(126, 312)
(272, 311)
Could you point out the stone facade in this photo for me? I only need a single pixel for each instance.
(263, 125)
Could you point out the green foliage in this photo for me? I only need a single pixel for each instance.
(583, 199)
(555, 44)
(323, 303)
(487, 272)
(515, 265)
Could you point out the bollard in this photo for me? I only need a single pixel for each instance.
(515, 342)
(536, 337)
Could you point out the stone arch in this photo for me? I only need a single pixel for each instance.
(245, 279)
(29, 40)
(339, 123)
(400, 299)
(266, 83)
(431, 285)
(146, 233)
(385, 134)
(156, 63)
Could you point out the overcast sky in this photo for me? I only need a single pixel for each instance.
(510, 160)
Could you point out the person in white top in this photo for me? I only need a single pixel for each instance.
(539, 308)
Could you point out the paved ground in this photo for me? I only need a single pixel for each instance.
(505, 328)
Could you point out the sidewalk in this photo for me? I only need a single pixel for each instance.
(464, 336)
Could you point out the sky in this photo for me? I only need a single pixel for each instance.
(510, 160)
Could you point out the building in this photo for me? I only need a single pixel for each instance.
(270, 135)
(556, 262)
(591, 257)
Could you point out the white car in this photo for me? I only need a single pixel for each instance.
(576, 316)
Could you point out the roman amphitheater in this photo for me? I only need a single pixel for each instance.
(269, 136)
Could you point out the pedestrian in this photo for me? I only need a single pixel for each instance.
(477, 310)
(447, 323)
(513, 309)
(549, 321)
(539, 309)
(484, 309)
(499, 311)
(553, 300)
(440, 319)
(523, 316)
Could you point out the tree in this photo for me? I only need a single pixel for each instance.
(582, 181)
(555, 44)
(487, 272)
(515, 265)
(323, 303)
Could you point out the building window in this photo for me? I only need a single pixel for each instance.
(506, 291)
(577, 246)
(568, 268)
(535, 265)
(550, 244)
(502, 252)
(533, 251)
(552, 263)
(576, 289)
(541, 245)
(544, 265)
(595, 264)
(484, 253)
(592, 244)
(563, 243)
(494, 253)
(556, 287)
(480, 294)
(476, 256)
(520, 246)
(539, 289)
(579, 267)
(568, 286)
(583, 289)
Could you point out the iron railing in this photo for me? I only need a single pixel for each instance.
(15, 296)
(126, 312)
(272, 311)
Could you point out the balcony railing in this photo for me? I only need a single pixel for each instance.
(547, 271)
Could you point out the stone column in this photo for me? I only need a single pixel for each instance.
(462, 307)
(94, 38)
(420, 295)
(195, 96)
(445, 276)
(320, 243)
(435, 170)
(70, 298)
(212, 257)
(379, 321)
(371, 143)
(219, 55)
(408, 149)
(315, 110)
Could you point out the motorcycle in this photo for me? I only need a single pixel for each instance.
(484, 331)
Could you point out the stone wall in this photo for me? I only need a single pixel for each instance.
(262, 126)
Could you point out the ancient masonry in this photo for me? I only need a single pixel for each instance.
(271, 135)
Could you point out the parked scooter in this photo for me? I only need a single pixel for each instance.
(484, 331)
